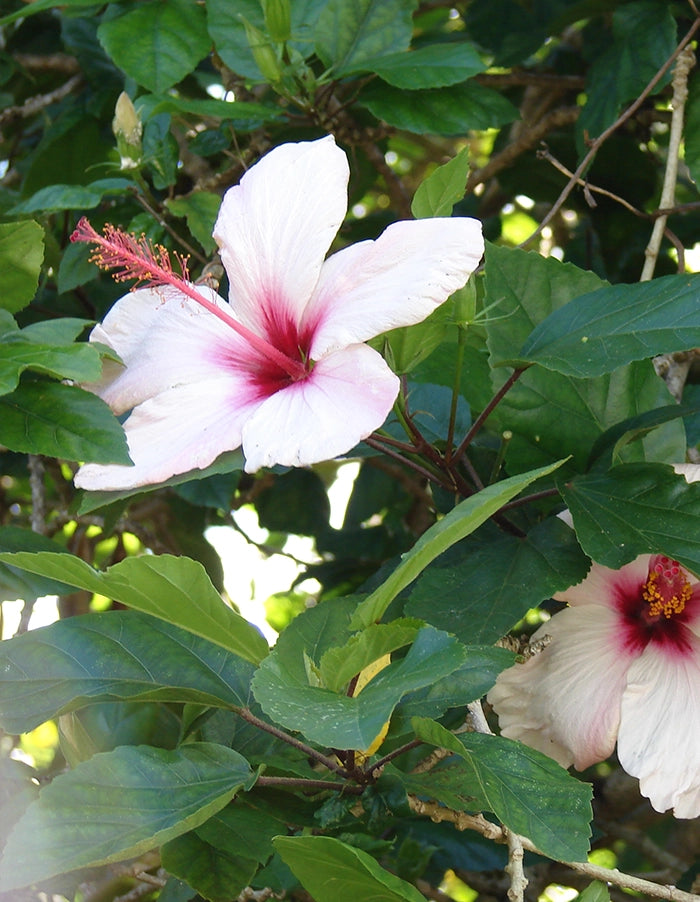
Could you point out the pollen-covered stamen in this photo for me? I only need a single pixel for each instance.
(667, 589)
(140, 259)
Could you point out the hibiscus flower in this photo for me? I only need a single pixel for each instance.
(623, 665)
(282, 370)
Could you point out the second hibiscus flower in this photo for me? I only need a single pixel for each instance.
(282, 370)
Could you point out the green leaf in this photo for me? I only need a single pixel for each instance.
(441, 111)
(239, 111)
(332, 871)
(220, 858)
(493, 579)
(432, 66)
(348, 32)
(21, 255)
(437, 195)
(471, 681)
(600, 331)
(40, 6)
(594, 892)
(644, 37)
(173, 588)
(157, 44)
(200, 210)
(228, 462)
(118, 805)
(340, 664)
(283, 690)
(121, 655)
(70, 197)
(15, 583)
(457, 524)
(61, 421)
(526, 790)
(80, 362)
(550, 415)
(636, 509)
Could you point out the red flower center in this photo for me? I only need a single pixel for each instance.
(667, 590)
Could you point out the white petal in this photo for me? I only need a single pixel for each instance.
(604, 586)
(275, 228)
(179, 430)
(659, 739)
(690, 471)
(165, 339)
(565, 701)
(347, 396)
(397, 280)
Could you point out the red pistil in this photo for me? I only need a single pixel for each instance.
(140, 259)
(667, 589)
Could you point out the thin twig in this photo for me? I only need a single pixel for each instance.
(463, 821)
(302, 783)
(486, 412)
(686, 61)
(37, 104)
(603, 136)
(310, 752)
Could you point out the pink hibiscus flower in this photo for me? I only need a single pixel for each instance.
(623, 665)
(282, 370)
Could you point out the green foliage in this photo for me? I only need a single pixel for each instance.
(185, 743)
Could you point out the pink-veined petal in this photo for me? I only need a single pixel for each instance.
(565, 701)
(164, 339)
(347, 396)
(659, 739)
(181, 429)
(603, 586)
(397, 280)
(274, 230)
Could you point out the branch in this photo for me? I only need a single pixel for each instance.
(603, 136)
(478, 822)
(686, 61)
(39, 103)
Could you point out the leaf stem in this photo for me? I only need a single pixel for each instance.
(486, 412)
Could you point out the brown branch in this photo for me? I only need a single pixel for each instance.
(36, 104)
(602, 138)
(528, 138)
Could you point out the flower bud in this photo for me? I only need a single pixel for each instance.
(278, 19)
(263, 52)
(127, 128)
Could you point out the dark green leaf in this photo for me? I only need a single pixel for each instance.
(691, 134)
(433, 66)
(459, 523)
(496, 579)
(16, 583)
(70, 197)
(296, 502)
(200, 210)
(21, 255)
(79, 362)
(174, 588)
(600, 331)
(349, 32)
(636, 509)
(130, 799)
(644, 37)
(594, 892)
(332, 871)
(61, 421)
(529, 792)
(338, 665)
(157, 44)
(441, 111)
(117, 656)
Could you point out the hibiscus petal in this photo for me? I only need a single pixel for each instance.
(660, 727)
(347, 396)
(164, 339)
(565, 701)
(397, 280)
(181, 429)
(603, 586)
(275, 228)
